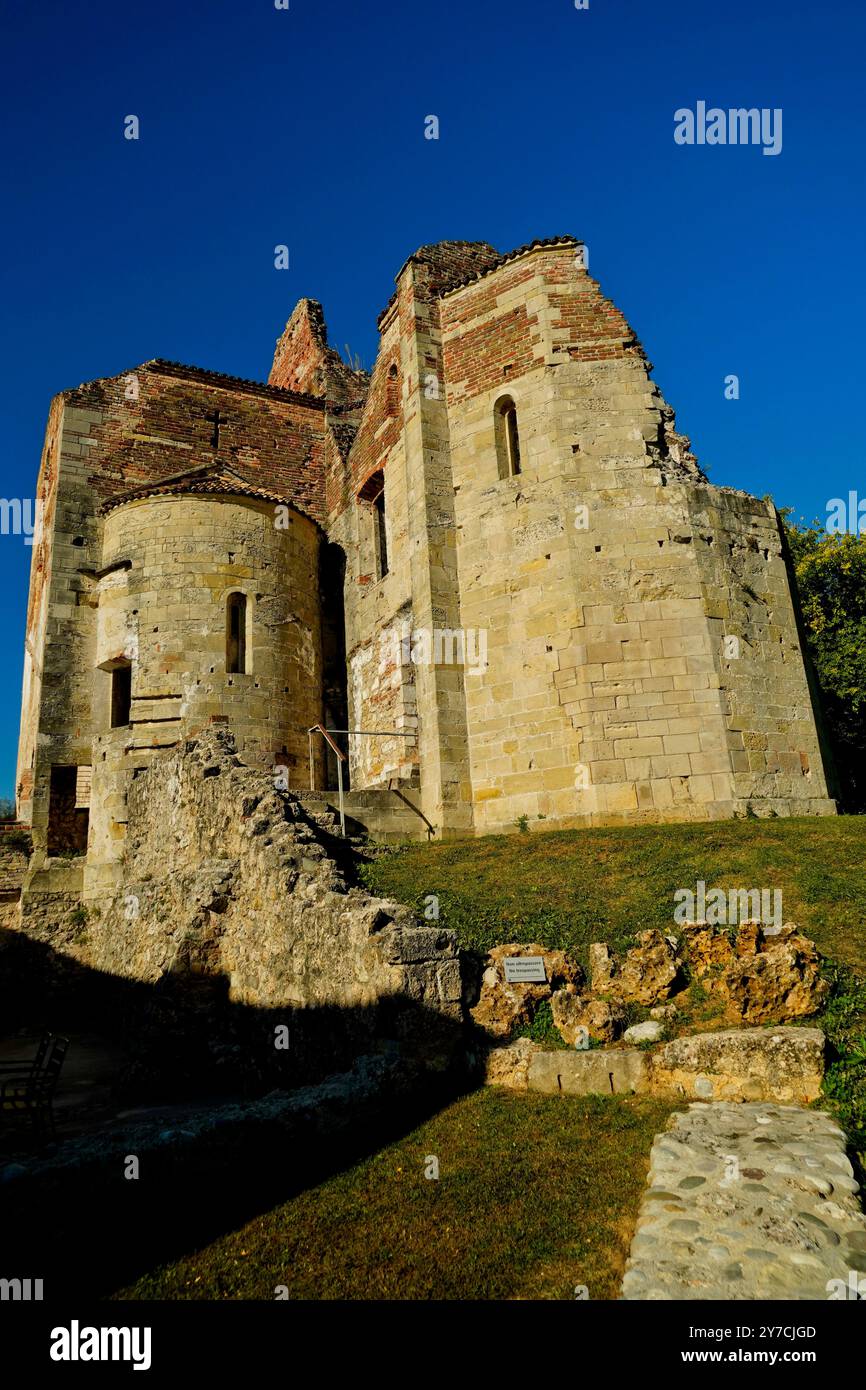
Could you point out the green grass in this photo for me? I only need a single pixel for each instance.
(536, 1195)
(568, 888)
(543, 1030)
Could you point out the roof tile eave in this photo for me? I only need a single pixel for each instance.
(539, 244)
(164, 366)
(207, 487)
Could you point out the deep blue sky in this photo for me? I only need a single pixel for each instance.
(306, 127)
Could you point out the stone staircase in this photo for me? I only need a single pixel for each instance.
(390, 815)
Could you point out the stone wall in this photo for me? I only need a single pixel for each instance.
(108, 440)
(402, 435)
(171, 563)
(15, 849)
(378, 607)
(224, 877)
(599, 637)
(774, 758)
(36, 631)
(608, 575)
(642, 655)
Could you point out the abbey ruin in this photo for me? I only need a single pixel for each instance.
(491, 566)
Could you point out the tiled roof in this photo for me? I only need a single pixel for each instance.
(503, 259)
(539, 244)
(232, 383)
(437, 254)
(208, 481)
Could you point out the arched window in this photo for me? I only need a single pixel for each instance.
(373, 493)
(236, 634)
(507, 437)
(381, 534)
(392, 390)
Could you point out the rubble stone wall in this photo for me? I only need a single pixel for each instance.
(224, 876)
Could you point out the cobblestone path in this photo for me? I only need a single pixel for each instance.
(748, 1201)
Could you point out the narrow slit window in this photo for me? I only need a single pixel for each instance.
(236, 634)
(381, 534)
(121, 695)
(392, 391)
(507, 438)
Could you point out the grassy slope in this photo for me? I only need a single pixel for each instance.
(569, 888)
(536, 1194)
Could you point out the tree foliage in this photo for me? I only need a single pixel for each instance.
(830, 572)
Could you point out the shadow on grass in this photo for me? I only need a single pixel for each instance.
(70, 1215)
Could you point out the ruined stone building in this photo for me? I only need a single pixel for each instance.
(493, 556)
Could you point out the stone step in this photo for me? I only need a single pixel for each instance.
(605, 1071)
(381, 811)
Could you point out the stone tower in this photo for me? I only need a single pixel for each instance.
(641, 653)
(493, 557)
(174, 580)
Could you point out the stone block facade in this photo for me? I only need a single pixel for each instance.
(629, 644)
(491, 565)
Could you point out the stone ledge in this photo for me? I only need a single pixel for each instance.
(607, 1071)
(784, 1064)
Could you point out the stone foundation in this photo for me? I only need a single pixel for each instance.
(773, 1064)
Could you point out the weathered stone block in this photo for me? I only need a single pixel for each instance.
(782, 1064)
(509, 1065)
(648, 973)
(762, 977)
(614, 1071)
(503, 1006)
(603, 1020)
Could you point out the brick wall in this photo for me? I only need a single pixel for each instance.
(273, 438)
(303, 360)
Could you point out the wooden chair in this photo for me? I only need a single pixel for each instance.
(23, 1067)
(32, 1095)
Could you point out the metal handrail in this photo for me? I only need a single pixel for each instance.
(341, 757)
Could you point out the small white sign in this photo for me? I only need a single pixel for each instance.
(524, 970)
